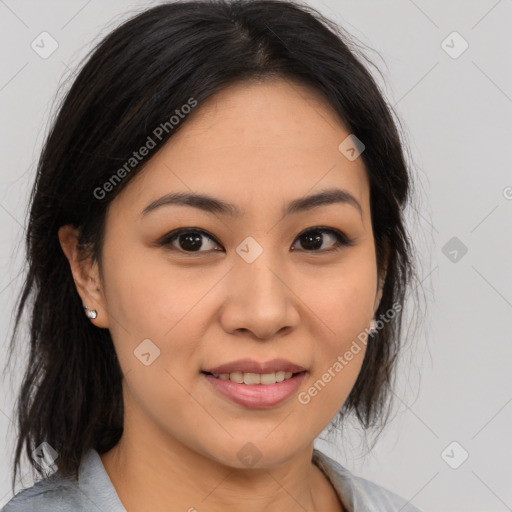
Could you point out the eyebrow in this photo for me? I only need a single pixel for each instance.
(214, 205)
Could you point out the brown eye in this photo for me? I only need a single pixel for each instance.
(189, 240)
(314, 240)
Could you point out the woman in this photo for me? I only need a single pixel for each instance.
(217, 263)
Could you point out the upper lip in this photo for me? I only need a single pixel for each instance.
(251, 366)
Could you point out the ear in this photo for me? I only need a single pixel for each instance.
(382, 279)
(85, 274)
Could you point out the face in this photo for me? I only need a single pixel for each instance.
(249, 282)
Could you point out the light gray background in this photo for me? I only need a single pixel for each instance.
(455, 381)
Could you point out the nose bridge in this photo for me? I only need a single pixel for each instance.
(257, 269)
(258, 298)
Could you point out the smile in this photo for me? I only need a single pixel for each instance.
(248, 390)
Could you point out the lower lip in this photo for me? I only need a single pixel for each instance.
(257, 396)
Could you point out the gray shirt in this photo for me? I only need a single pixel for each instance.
(94, 491)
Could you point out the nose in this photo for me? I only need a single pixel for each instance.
(259, 300)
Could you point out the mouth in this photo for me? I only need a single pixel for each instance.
(251, 379)
(255, 390)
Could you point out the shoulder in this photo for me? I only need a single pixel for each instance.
(54, 493)
(358, 493)
(381, 498)
(93, 491)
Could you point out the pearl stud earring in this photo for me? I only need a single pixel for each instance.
(91, 313)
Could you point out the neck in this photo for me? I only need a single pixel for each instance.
(153, 473)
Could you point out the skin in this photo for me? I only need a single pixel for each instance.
(258, 145)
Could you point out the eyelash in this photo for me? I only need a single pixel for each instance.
(341, 239)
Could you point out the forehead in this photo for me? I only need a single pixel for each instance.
(254, 144)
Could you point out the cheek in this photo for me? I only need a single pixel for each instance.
(147, 294)
(151, 299)
(341, 310)
(342, 300)
(156, 316)
(338, 355)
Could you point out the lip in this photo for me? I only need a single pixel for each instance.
(256, 396)
(252, 366)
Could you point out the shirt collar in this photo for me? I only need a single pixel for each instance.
(95, 483)
(340, 478)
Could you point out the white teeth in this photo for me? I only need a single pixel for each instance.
(236, 377)
(280, 376)
(255, 378)
(252, 378)
(268, 378)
